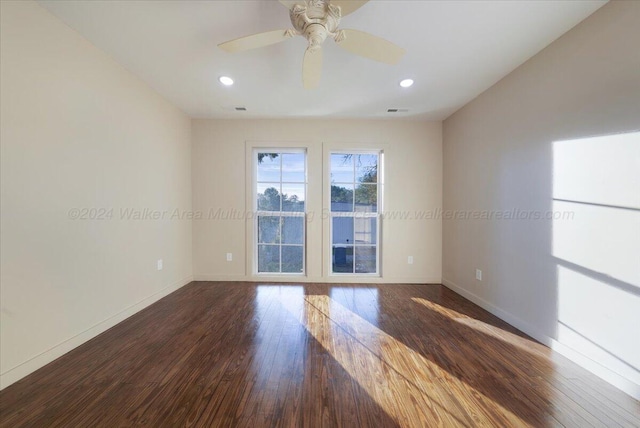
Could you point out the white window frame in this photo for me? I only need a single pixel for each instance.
(258, 214)
(358, 214)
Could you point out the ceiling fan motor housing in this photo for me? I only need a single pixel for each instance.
(315, 20)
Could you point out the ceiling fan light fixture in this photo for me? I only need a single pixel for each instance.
(226, 80)
(406, 83)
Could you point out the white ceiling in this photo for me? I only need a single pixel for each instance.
(455, 51)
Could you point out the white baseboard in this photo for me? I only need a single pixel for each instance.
(325, 279)
(219, 278)
(18, 372)
(619, 381)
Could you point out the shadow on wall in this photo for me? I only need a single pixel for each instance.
(597, 251)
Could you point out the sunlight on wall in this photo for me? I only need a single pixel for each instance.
(598, 250)
(604, 240)
(599, 320)
(601, 170)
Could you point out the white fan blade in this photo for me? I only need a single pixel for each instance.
(255, 41)
(348, 6)
(290, 3)
(372, 47)
(312, 68)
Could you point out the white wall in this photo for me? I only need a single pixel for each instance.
(524, 144)
(221, 159)
(79, 131)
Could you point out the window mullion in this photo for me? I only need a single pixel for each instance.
(292, 213)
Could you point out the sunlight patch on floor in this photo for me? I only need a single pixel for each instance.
(485, 328)
(449, 313)
(399, 379)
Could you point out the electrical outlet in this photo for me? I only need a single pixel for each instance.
(410, 260)
(229, 257)
(159, 264)
(478, 274)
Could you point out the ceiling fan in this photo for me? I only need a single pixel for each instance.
(316, 20)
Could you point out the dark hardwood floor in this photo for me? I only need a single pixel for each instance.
(242, 354)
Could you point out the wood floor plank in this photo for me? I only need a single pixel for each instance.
(314, 355)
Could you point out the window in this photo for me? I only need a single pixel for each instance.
(280, 205)
(355, 225)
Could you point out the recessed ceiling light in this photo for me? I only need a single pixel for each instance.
(226, 81)
(406, 83)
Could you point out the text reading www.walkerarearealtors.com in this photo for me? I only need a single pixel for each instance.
(222, 214)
